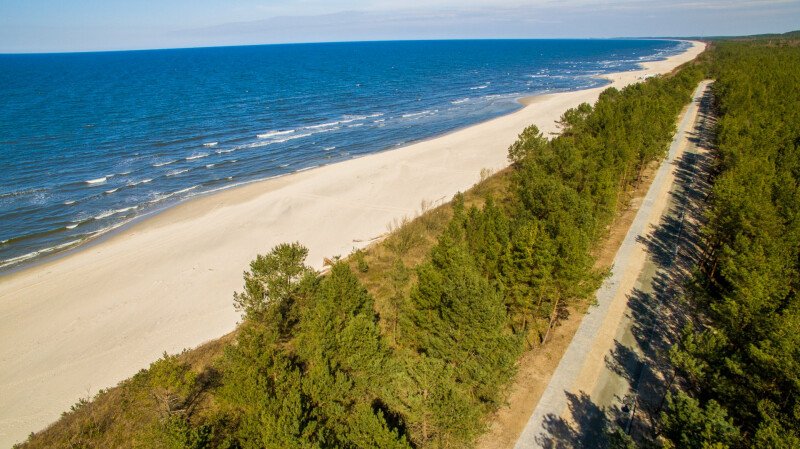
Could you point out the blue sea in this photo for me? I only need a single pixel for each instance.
(90, 141)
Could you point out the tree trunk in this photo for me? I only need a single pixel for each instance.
(553, 319)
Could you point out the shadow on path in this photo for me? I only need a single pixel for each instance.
(656, 310)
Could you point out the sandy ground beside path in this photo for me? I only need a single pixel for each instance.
(552, 423)
(88, 320)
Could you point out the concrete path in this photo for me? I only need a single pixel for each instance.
(597, 371)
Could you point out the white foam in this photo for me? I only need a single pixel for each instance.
(283, 165)
(28, 256)
(269, 134)
(417, 114)
(109, 213)
(306, 168)
(177, 172)
(108, 192)
(184, 190)
(225, 151)
(463, 100)
(69, 202)
(322, 125)
(210, 144)
(125, 173)
(328, 148)
(483, 86)
(161, 164)
(196, 156)
(352, 118)
(355, 125)
(210, 165)
(136, 183)
(97, 181)
(296, 136)
(169, 195)
(72, 226)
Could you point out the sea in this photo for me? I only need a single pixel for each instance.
(91, 141)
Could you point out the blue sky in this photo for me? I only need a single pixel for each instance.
(82, 25)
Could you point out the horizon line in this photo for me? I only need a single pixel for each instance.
(201, 47)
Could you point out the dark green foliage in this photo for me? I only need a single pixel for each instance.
(744, 360)
(690, 426)
(318, 391)
(529, 142)
(274, 279)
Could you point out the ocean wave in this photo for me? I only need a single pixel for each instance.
(125, 173)
(109, 213)
(322, 125)
(284, 165)
(210, 165)
(352, 118)
(109, 192)
(328, 148)
(136, 183)
(306, 168)
(229, 150)
(355, 125)
(269, 134)
(296, 136)
(196, 156)
(170, 195)
(482, 86)
(418, 114)
(31, 255)
(210, 144)
(463, 100)
(97, 180)
(161, 164)
(71, 226)
(177, 172)
(69, 202)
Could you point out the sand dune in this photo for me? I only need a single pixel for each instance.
(88, 320)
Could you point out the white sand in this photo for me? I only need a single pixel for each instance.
(88, 320)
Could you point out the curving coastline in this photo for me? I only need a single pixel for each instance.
(165, 282)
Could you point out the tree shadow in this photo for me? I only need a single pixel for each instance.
(656, 310)
(586, 431)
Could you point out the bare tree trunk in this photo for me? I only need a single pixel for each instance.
(553, 319)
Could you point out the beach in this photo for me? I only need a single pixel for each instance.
(85, 321)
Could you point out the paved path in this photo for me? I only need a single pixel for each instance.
(593, 375)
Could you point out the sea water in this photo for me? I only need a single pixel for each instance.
(89, 141)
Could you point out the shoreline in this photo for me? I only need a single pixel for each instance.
(54, 253)
(164, 282)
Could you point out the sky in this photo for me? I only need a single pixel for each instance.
(90, 25)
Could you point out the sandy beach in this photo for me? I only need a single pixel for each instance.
(83, 322)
